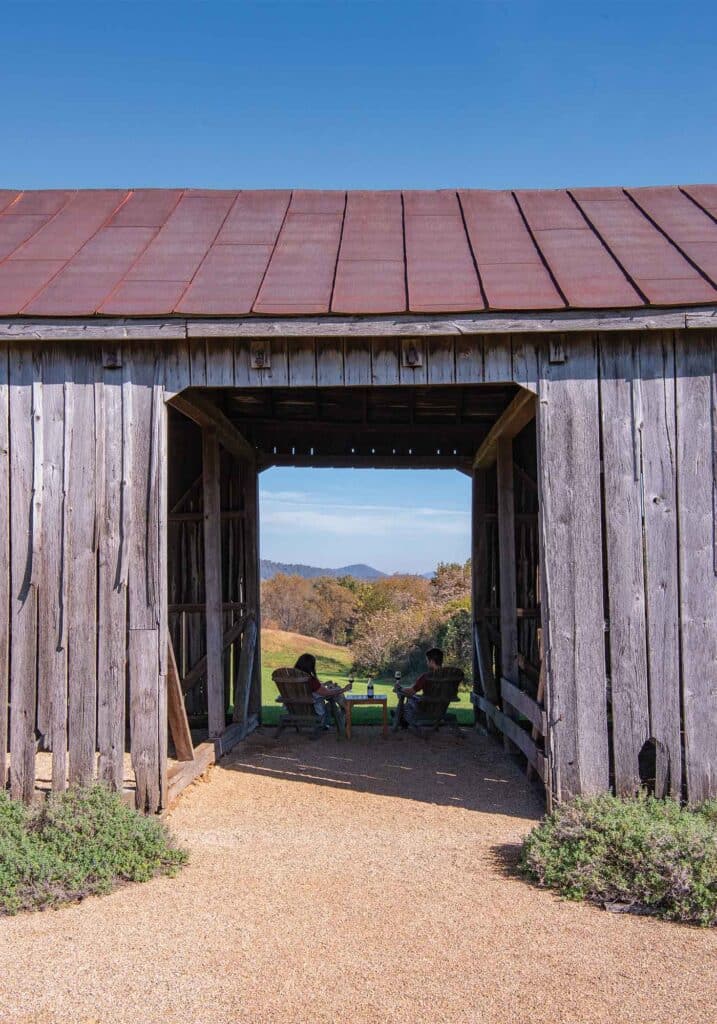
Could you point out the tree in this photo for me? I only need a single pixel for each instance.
(451, 582)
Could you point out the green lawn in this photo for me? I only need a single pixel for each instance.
(280, 650)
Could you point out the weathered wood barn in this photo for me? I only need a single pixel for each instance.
(160, 348)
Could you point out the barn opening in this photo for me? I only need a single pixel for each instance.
(485, 431)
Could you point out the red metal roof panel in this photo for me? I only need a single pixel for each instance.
(370, 274)
(88, 279)
(16, 229)
(650, 259)
(227, 281)
(20, 279)
(255, 218)
(306, 201)
(512, 272)
(143, 298)
(369, 286)
(587, 274)
(705, 195)
(686, 224)
(183, 241)
(72, 226)
(7, 197)
(43, 203)
(146, 208)
(301, 272)
(439, 263)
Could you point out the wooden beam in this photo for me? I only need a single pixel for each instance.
(213, 581)
(518, 414)
(524, 704)
(208, 416)
(463, 465)
(512, 731)
(176, 711)
(95, 328)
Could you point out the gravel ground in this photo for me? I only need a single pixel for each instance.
(357, 882)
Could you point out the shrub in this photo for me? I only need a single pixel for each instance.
(74, 844)
(648, 854)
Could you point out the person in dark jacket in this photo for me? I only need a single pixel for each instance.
(322, 691)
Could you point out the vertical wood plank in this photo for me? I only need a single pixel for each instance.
(696, 412)
(524, 349)
(112, 595)
(220, 363)
(5, 588)
(497, 359)
(571, 562)
(385, 357)
(469, 359)
(440, 358)
(176, 367)
(277, 376)
(81, 568)
(302, 363)
(506, 559)
(357, 362)
(176, 711)
(243, 375)
(198, 362)
(161, 428)
(23, 623)
(213, 581)
(51, 648)
(330, 362)
(659, 446)
(621, 424)
(140, 406)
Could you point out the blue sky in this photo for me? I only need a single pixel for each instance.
(362, 95)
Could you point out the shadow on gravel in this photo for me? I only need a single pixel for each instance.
(473, 772)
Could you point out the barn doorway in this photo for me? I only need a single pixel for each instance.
(485, 431)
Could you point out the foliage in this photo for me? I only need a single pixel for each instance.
(388, 622)
(320, 607)
(651, 855)
(76, 843)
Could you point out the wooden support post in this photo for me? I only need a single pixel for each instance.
(510, 423)
(213, 580)
(252, 577)
(479, 576)
(507, 569)
(506, 555)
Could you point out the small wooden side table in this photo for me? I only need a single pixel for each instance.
(353, 699)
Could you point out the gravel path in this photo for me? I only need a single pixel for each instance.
(355, 882)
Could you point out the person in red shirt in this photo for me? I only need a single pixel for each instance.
(434, 661)
(322, 691)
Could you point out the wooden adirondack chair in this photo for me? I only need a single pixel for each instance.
(440, 691)
(298, 700)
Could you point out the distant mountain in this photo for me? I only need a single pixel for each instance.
(360, 571)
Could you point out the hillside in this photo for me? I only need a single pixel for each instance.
(360, 571)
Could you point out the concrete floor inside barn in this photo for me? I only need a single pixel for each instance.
(365, 881)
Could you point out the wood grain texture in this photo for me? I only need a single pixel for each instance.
(176, 711)
(659, 469)
(82, 573)
(385, 359)
(506, 558)
(302, 363)
(51, 647)
(330, 363)
(213, 580)
(695, 392)
(252, 582)
(112, 595)
(144, 713)
(621, 427)
(571, 561)
(23, 596)
(5, 588)
(357, 362)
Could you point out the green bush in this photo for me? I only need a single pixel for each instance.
(650, 855)
(74, 844)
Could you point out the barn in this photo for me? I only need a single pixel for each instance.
(161, 348)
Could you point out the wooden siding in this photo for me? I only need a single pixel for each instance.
(628, 557)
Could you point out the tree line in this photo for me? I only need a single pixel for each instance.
(387, 623)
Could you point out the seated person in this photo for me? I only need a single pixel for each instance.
(321, 691)
(434, 661)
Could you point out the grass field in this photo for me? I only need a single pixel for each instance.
(280, 650)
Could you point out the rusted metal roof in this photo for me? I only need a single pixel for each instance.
(157, 252)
